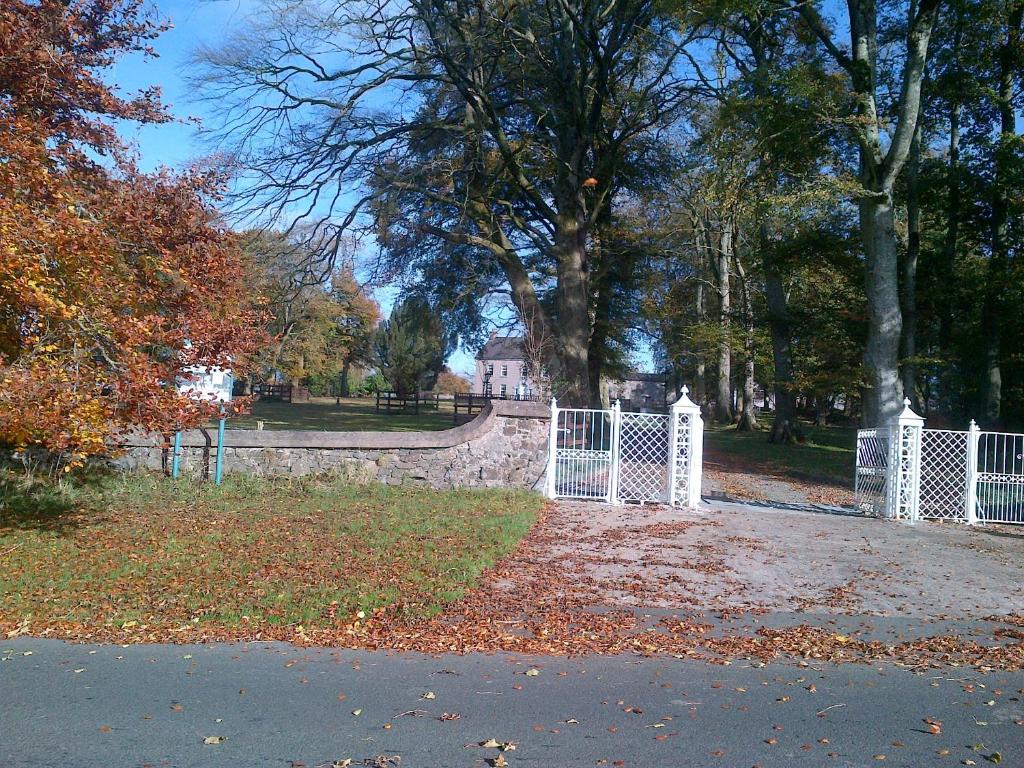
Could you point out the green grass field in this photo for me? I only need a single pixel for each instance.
(149, 550)
(827, 455)
(352, 414)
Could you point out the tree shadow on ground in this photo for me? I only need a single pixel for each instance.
(30, 504)
(783, 506)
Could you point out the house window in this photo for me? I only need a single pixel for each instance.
(522, 371)
(487, 388)
(490, 369)
(504, 370)
(504, 390)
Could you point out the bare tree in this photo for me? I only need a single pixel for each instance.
(485, 135)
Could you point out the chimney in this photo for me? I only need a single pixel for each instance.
(494, 333)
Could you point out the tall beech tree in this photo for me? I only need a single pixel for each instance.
(881, 158)
(112, 282)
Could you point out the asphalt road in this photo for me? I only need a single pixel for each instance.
(277, 705)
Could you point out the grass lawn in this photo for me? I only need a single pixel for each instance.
(827, 455)
(353, 414)
(250, 553)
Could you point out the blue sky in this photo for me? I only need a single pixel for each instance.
(176, 144)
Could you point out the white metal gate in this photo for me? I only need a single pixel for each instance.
(998, 477)
(581, 445)
(618, 456)
(872, 470)
(940, 474)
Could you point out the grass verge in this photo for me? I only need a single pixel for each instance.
(827, 454)
(251, 552)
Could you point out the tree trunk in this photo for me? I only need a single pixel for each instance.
(723, 402)
(993, 308)
(344, 384)
(572, 331)
(881, 355)
(786, 428)
(822, 405)
(748, 417)
(947, 266)
(700, 386)
(909, 292)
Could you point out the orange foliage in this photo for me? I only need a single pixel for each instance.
(111, 281)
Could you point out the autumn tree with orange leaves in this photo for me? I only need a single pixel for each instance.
(111, 281)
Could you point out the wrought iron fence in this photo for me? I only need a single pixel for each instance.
(907, 472)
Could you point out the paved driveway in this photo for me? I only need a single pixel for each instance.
(780, 558)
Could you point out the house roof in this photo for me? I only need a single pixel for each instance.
(502, 348)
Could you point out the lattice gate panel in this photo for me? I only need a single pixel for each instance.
(943, 475)
(643, 457)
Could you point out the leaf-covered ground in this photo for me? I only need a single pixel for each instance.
(321, 564)
(124, 554)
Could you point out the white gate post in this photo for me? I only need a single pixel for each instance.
(905, 464)
(613, 471)
(973, 433)
(552, 450)
(686, 442)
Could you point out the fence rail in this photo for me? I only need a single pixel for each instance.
(392, 401)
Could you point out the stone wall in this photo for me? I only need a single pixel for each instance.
(504, 446)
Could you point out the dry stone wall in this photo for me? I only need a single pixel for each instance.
(504, 446)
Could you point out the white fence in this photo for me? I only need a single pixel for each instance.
(907, 472)
(616, 456)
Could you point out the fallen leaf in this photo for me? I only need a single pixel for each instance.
(532, 672)
(357, 712)
(215, 739)
(428, 695)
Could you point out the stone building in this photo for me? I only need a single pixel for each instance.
(502, 371)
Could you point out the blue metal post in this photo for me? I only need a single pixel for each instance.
(176, 458)
(219, 471)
